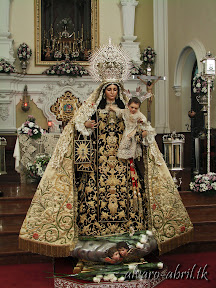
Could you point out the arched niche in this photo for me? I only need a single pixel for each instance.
(192, 52)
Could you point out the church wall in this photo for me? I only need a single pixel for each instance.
(144, 31)
(144, 24)
(188, 20)
(110, 24)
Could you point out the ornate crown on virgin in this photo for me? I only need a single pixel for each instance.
(109, 63)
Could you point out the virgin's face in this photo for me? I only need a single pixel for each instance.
(111, 92)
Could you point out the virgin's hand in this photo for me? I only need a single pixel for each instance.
(111, 108)
(144, 133)
(91, 124)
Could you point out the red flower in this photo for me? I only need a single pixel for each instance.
(35, 236)
(182, 228)
(154, 206)
(69, 206)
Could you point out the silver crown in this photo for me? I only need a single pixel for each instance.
(109, 63)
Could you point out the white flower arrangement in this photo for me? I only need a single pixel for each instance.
(136, 69)
(6, 67)
(30, 128)
(24, 52)
(200, 85)
(204, 183)
(66, 68)
(148, 56)
(36, 169)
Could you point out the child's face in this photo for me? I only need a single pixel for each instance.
(123, 251)
(116, 256)
(133, 107)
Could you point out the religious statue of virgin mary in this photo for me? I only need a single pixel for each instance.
(87, 191)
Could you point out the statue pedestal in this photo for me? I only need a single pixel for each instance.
(65, 266)
(145, 283)
(134, 51)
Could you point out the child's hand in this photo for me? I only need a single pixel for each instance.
(139, 120)
(144, 133)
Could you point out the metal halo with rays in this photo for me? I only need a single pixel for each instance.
(109, 63)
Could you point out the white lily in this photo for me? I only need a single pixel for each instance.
(139, 245)
(160, 265)
(132, 266)
(96, 280)
(121, 279)
(149, 233)
(144, 239)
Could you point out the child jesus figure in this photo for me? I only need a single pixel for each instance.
(135, 124)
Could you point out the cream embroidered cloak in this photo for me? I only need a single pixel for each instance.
(50, 227)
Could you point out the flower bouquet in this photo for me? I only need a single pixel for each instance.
(36, 169)
(200, 85)
(148, 56)
(66, 68)
(136, 70)
(204, 183)
(24, 52)
(6, 67)
(31, 128)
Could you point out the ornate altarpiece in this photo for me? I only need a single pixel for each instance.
(65, 30)
(65, 106)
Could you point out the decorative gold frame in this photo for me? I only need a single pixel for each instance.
(94, 32)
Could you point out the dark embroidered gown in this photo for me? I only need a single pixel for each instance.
(105, 196)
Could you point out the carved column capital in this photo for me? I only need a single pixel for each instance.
(177, 90)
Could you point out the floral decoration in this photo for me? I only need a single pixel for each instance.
(148, 56)
(36, 169)
(69, 206)
(58, 55)
(35, 236)
(6, 67)
(200, 85)
(100, 273)
(31, 128)
(24, 52)
(136, 69)
(204, 183)
(66, 68)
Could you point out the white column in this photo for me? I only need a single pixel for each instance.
(161, 66)
(128, 15)
(6, 48)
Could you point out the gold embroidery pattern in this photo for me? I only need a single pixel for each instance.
(106, 196)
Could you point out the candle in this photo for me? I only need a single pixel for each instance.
(170, 154)
(177, 156)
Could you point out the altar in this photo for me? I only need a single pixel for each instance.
(27, 148)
